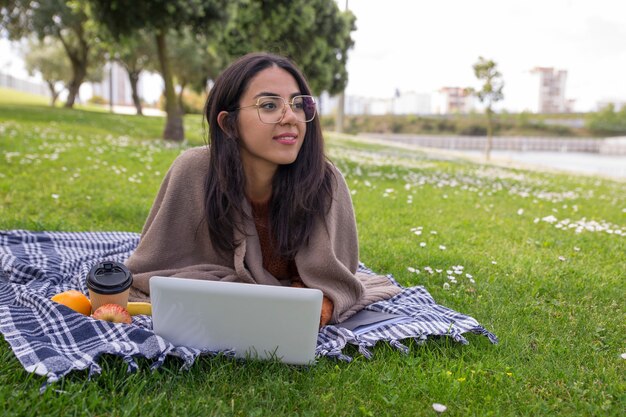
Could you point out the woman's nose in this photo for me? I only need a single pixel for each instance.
(289, 116)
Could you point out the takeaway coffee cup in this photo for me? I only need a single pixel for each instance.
(109, 282)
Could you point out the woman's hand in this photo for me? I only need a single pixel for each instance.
(327, 311)
(327, 304)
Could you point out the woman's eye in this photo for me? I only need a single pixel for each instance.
(268, 105)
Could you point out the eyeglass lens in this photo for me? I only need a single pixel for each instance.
(272, 109)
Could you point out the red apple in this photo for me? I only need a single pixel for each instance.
(112, 312)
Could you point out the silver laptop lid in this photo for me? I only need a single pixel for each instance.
(257, 321)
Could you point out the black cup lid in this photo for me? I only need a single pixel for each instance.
(109, 277)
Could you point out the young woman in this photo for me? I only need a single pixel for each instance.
(261, 204)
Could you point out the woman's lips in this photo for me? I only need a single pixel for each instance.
(286, 138)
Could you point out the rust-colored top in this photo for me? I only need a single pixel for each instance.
(273, 263)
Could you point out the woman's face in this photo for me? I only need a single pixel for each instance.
(263, 147)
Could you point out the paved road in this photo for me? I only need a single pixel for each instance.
(611, 164)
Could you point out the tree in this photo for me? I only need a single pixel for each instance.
(490, 93)
(125, 17)
(135, 53)
(314, 33)
(57, 18)
(48, 57)
(195, 61)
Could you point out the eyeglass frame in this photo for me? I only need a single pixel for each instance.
(285, 103)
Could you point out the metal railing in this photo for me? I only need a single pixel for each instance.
(499, 143)
(14, 83)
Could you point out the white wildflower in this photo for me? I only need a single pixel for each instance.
(55, 196)
(423, 244)
(446, 286)
(520, 212)
(442, 247)
(440, 408)
(549, 219)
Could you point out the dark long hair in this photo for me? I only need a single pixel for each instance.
(301, 191)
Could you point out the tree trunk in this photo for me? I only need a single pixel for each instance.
(489, 133)
(79, 72)
(174, 122)
(133, 77)
(54, 94)
(79, 57)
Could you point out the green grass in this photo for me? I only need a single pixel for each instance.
(554, 297)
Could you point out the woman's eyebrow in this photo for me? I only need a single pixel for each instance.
(269, 93)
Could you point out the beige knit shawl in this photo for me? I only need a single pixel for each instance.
(175, 242)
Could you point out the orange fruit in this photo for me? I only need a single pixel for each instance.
(75, 300)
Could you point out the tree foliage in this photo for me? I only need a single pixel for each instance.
(57, 18)
(136, 53)
(490, 93)
(48, 58)
(159, 17)
(195, 60)
(314, 33)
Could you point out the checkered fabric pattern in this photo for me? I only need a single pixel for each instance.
(52, 340)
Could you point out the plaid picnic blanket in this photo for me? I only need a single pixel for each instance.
(52, 340)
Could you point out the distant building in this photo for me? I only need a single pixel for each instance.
(115, 80)
(549, 85)
(115, 87)
(411, 102)
(356, 105)
(452, 100)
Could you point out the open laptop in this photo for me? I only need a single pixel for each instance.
(256, 321)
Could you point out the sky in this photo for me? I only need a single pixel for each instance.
(421, 46)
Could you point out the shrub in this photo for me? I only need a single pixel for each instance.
(97, 100)
(473, 130)
(607, 121)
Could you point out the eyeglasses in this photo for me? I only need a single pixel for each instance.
(272, 109)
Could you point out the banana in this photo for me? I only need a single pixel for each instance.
(136, 307)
